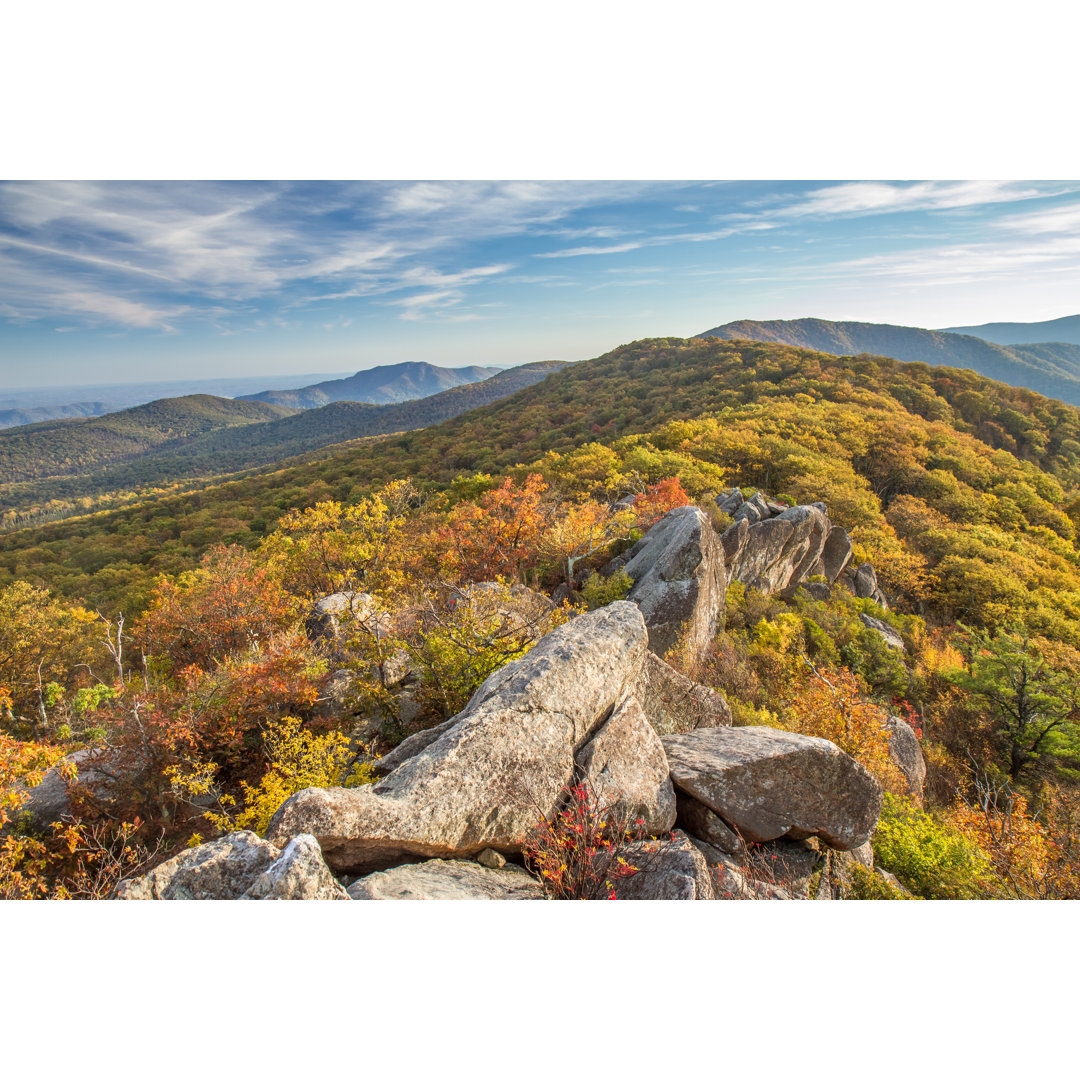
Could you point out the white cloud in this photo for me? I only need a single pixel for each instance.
(569, 253)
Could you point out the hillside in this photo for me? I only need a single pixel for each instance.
(227, 450)
(65, 447)
(382, 385)
(1001, 467)
(1054, 371)
(849, 549)
(1066, 329)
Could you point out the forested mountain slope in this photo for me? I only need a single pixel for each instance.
(963, 491)
(229, 450)
(64, 447)
(381, 385)
(1052, 370)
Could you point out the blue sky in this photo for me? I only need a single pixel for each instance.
(123, 281)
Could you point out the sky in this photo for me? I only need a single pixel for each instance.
(113, 282)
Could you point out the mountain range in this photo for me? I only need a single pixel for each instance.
(61, 464)
(1052, 368)
(383, 385)
(1066, 329)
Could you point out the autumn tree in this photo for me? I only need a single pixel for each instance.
(228, 605)
(497, 535)
(41, 641)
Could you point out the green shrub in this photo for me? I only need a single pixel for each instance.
(599, 591)
(933, 860)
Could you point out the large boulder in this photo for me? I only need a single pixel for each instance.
(835, 553)
(50, 800)
(864, 583)
(767, 783)
(497, 770)
(439, 879)
(907, 755)
(679, 580)
(674, 703)
(781, 551)
(625, 766)
(239, 866)
(666, 870)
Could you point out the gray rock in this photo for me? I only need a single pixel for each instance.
(733, 541)
(753, 510)
(767, 783)
(410, 747)
(733, 879)
(865, 585)
(836, 553)
(673, 703)
(494, 772)
(698, 820)
(679, 580)
(299, 873)
(781, 552)
(730, 501)
(335, 616)
(236, 867)
(890, 636)
(666, 870)
(625, 766)
(816, 590)
(440, 879)
(50, 800)
(491, 859)
(906, 753)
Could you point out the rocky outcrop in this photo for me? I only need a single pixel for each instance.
(439, 879)
(239, 866)
(625, 766)
(673, 703)
(503, 764)
(679, 580)
(777, 553)
(767, 783)
(666, 870)
(775, 549)
(907, 755)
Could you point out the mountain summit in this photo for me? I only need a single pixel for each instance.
(1052, 369)
(383, 385)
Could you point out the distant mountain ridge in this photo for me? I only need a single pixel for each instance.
(40, 413)
(383, 385)
(61, 401)
(1066, 329)
(214, 451)
(65, 447)
(1052, 369)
